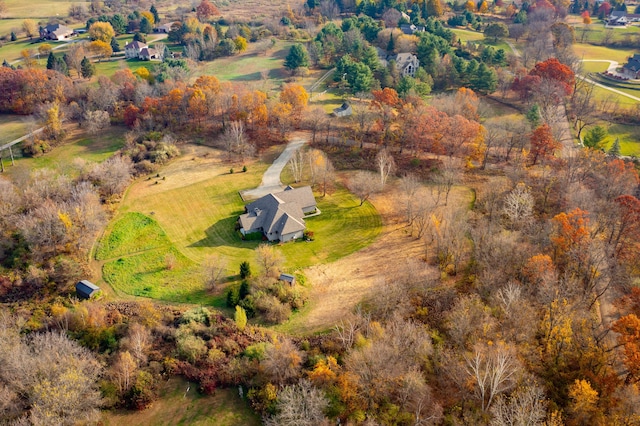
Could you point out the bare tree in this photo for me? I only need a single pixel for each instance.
(518, 204)
(95, 121)
(385, 164)
(444, 180)
(410, 185)
(525, 407)
(315, 120)
(282, 361)
(494, 369)
(269, 258)
(112, 176)
(236, 142)
(363, 185)
(214, 268)
(296, 165)
(138, 341)
(299, 405)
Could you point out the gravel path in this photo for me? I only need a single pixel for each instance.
(271, 179)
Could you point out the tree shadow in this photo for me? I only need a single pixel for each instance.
(223, 233)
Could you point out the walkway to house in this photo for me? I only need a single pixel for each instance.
(271, 179)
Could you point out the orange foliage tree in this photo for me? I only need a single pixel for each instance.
(552, 69)
(625, 237)
(628, 329)
(206, 10)
(570, 234)
(297, 97)
(543, 144)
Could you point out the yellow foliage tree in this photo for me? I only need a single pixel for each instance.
(149, 17)
(101, 49)
(102, 31)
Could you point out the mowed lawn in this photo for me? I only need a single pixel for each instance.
(196, 207)
(22, 9)
(178, 407)
(588, 51)
(13, 127)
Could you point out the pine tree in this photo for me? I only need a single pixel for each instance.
(154, 11)
(14, 37)
(88, 69)
(245, 270)
(244, 290)
(145, 25)
(51, 61)
(115, 46)
(392, 44)
(61, 66)
(297, 57)
(615, 148)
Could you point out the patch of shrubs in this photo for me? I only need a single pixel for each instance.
(149, 150)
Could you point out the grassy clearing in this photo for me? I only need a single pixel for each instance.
(249, 66)
(79, 145)
(595, 32)
(110, 67)
(224, 408)
(132, 233)
(588, 51)
(197, 205)
(38, 8)
(629, 137)
(601, 94)
(594, 67)
(13, 126)
(467, 35)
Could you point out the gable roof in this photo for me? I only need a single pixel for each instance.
(136, 45)
(86, 288)
(633, 64)
(148, 52)
(278, 213)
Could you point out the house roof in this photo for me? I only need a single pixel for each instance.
(86, 288)
(136, 45)
(148, 52)
(342, 108)
(287, 277)
(404, 59)
(278, 213)
(50, 28)
(617, 14)
(633, 64)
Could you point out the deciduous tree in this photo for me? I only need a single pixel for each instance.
(101, 31)
(543, 145)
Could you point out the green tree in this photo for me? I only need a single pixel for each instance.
(154, 11)
(51, 61)
(297, 57)
(87, 68)
(61, 66)
(496, 30)
(595, 137)
(14, 37)
(240, 318)
(118, 23)
(485, 79)
(115, 46)
(615, 148)
(245, 270)
(533, 116)
(244, 290)
(145, 25)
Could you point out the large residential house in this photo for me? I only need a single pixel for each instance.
(133, 49)
(632, 67)
(279, 216)
(406, 63)
(55, 32)
(621, 17)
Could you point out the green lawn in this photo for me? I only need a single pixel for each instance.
(197, 219)
(596, 30)
(175, 407)
(629, 137)
(12, 127)
(92, 148)
(110, 67)
(467, 35)
(591, 67)
(22, 9)
(601, 94)
(588, 51)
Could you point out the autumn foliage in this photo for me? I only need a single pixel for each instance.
(543, 145)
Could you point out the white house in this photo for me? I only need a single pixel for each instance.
(133, 49)
(55, 32)
(407, 64)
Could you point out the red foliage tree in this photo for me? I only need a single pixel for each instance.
(626, 236)
(206, 10)
(131, 115)
(543, 144)
(552, 69)
(628, 329)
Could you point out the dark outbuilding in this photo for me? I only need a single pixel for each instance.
(290, 279)
(85, 289)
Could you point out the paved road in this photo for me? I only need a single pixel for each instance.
(271, 179)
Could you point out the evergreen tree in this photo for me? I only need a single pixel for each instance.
(145, 25)
(61, 66)
(245, 270)
(118, 23)
(51, 61)
(297, 57)
(595, 137)
(87, 68)
(533, 116)
(392, 44)
(14, 37)
(244, 290)
(115, 46)
(154, 11)
(615, 148)
(232, 298)
(139, 37)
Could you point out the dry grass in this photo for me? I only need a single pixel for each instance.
(338, 287)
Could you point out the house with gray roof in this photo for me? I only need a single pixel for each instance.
(632, 67)
(86, 289)
(279, 216)
(55, 32)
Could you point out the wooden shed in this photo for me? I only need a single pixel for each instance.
(287, 278)
(85, 289)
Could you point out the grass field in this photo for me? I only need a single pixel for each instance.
(13, 126)
(589, 67)
(467, 35)
(38, 8)
(596, 31)
(224, 408)
(79, 145)
(196, 207)
(588, 51)
(629, 137)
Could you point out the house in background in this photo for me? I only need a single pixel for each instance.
(407, 64)
(133, 49)
(85, 289)
(166, 28)
(621, 18)
(55, 32)
(279, 216)
(632, 67)
(410, 29)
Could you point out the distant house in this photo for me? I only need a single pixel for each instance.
(55, 32)
(85, 289)
(147, 54)
(165, 28)
(344, 110)
(407, 64)
(133, 49)
(632, 67)
(621, 17)
(411, 29)
(279, 216)
(287, 278)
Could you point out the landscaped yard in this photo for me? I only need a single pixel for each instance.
(195, 206)
(176, 406)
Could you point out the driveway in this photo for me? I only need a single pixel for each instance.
(271, 179)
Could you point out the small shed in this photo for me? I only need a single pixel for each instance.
(287, 278)
(85, 289)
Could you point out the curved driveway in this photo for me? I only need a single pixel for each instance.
(271, 179)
